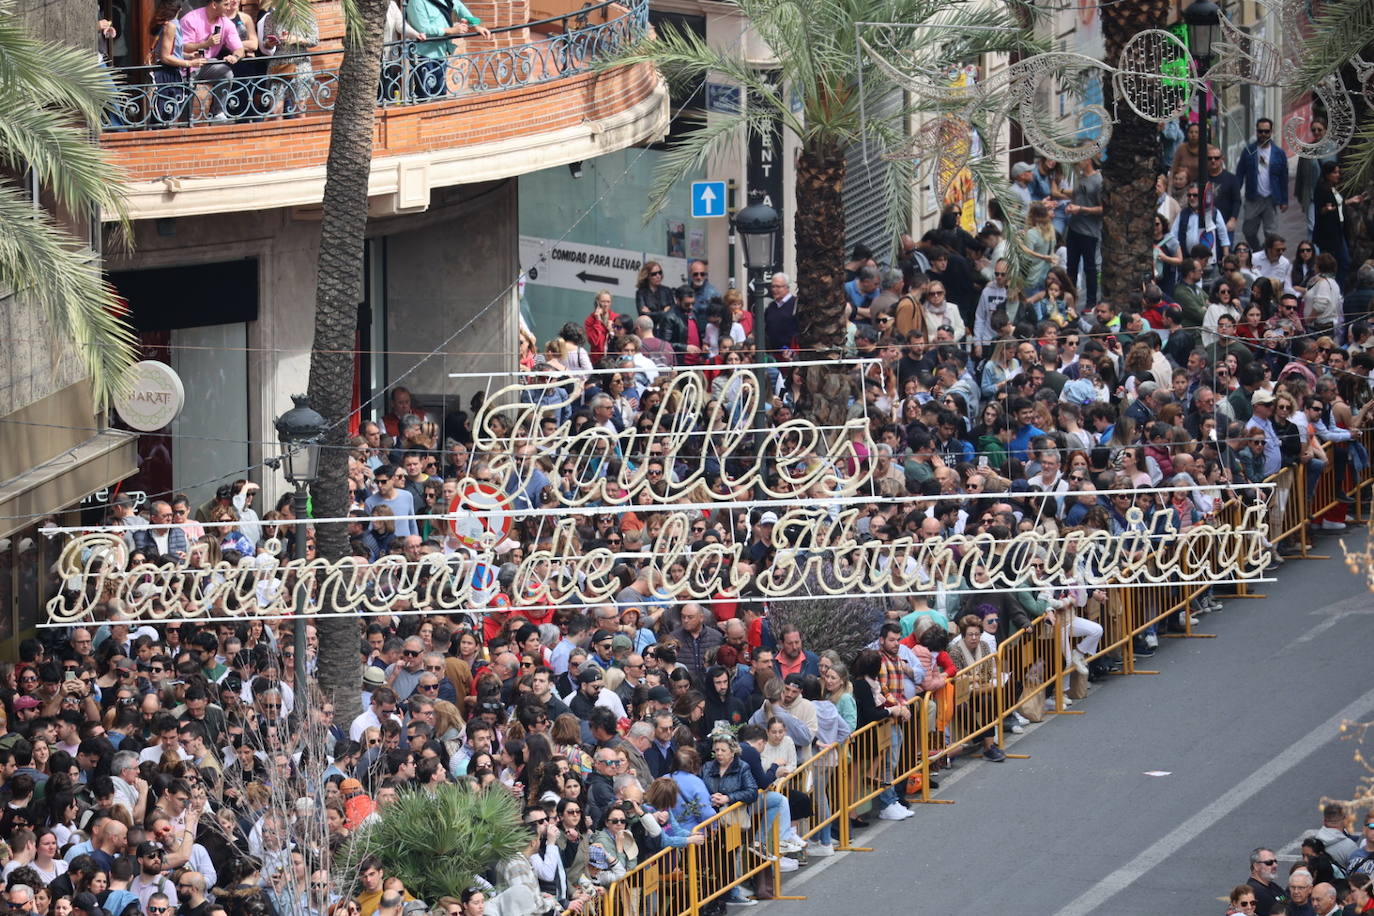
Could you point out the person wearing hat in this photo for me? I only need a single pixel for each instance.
(1021, 175)
(603, 655)
(373, 677)
(1262, 418)
(224, 498)
(762, 535)
(85, 904)
(357, 804)
(150, 879)
(589, 683)
(122, 513)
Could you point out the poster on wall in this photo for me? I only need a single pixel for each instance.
(676, 238)
(954, 176)
(696, 244)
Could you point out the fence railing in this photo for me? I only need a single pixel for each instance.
(842, 780)
(258, 89)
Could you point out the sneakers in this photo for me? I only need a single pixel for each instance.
(895, 812)
(787, 863)
(1079, 664)
(1328, 525)
(1017, 728)
(736, 898)
(819, 850)
(1020, 719)
(995, 754)
(788, 844)
(1152, 640)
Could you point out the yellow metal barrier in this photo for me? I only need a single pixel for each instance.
(979, 698)
(741, 841)
(736, 850)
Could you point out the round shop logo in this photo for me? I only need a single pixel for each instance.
(154, 398)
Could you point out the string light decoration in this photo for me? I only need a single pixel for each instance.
(1155, 75)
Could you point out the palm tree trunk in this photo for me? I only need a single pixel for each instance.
(821, 319)
(338, 295)
(1128, 175)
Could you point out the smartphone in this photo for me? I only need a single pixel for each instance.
(982, 461)
(69, 676)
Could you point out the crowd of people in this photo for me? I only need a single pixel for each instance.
(1331, 876)
(151, 768)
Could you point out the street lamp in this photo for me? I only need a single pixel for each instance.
(758, 226)
(301, 431)
(1203, 18)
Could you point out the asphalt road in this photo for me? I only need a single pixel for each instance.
(1246, 727)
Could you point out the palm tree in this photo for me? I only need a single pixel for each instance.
(816, 96)
(338, 295)
(1341, 30)
(437, 841)
(51, 100)
(1128, 175)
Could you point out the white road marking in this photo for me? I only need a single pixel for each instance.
(1096, 897)
(1334, 614)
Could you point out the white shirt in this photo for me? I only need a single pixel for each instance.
(154, 755)
(1263, 155)
(1280, 271)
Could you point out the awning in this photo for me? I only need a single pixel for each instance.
(63, 481)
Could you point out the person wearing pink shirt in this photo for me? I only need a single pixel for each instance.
(210, 30)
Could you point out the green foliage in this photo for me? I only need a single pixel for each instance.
(51, 98)
(843, 624)
(436, 843)
(820, 70)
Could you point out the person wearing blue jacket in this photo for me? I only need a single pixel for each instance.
(1263, 174)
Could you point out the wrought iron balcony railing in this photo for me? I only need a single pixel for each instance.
(259, 89)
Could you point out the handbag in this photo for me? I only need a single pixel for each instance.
(1078, 685)
(1032, 699)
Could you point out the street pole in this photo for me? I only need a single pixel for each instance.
(299, 507)
(761, 373)
(1203, 205)
(730, 214)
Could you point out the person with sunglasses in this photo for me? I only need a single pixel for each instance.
(1269, 894)
(1263, 171)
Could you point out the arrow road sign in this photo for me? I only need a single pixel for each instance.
(708, 199)
(597, 278)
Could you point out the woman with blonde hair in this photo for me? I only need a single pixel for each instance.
(739, 311)
(380, 535)
(1037, 241)
(226, 521)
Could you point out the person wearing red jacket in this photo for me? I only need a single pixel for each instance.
(600, 325)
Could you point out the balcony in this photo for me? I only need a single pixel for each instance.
(527, 98)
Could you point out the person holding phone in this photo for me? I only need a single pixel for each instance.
(210, 31)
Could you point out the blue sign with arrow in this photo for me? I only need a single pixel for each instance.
(708, 199)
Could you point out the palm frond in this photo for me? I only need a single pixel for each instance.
(1339, 31)
(59, 151)
(43, 73)
(683, 56)
(1357, 163)
(436, 842)
(39, 261)
(696, 149)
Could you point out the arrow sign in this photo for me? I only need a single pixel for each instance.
(708, 199)
(597, 278)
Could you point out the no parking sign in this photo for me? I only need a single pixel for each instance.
(474, 530)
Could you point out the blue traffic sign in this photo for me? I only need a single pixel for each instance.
(708, 199)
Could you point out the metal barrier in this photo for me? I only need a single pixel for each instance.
(842, 779)
(737, 848)
(821, 778)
